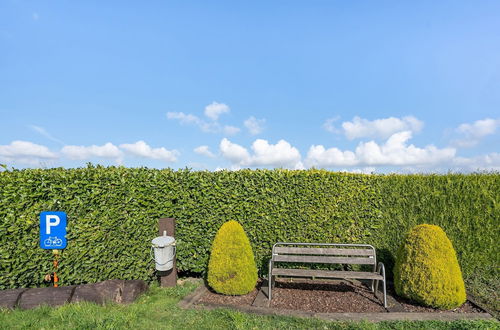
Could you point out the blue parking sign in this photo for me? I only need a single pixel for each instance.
(53, 230)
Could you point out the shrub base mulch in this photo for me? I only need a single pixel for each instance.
(213, 297)
(321, 297)
(345, 297)
(328, 297)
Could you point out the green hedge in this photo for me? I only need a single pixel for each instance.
(113, 212)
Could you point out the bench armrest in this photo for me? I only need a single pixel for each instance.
(381, 269)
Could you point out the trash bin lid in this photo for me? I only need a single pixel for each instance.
(163, 241)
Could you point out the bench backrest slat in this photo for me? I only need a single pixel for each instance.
(324, 251)
(325, 259)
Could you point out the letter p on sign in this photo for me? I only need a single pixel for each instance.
(53, 230)
(51, 220)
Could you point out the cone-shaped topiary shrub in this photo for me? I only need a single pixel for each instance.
(232, 269)
(427, 270)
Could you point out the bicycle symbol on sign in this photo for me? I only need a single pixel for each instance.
(53, 241)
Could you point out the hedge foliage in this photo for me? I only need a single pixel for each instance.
(231, 269)
(427, 269)
(113, 212)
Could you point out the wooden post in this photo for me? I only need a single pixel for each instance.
(167, 278)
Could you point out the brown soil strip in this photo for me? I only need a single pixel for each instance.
(212, 297)
(319, 297)
(327, 300)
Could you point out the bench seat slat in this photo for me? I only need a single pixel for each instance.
(326, 274)
(324, 251)
(325, 260)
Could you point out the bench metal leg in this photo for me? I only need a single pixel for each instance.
(385, 294)
(381, 270)
(270, 280)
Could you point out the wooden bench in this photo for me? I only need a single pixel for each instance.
(325, 253)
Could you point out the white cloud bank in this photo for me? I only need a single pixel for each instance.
(25, 152)
(489, 162)
(110, 151)
(142, 149)
(107, 150)
(378, 128)
(368, 156)
(281, 154)
(473, 133)
(394, 152)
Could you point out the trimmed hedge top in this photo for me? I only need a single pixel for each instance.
(113, 215)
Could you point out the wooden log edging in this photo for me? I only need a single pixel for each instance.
(118, 291)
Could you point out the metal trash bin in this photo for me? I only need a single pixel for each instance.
(164, 252)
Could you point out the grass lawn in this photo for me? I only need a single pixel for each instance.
(158, 310)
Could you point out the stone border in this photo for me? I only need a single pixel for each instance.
(190, 301)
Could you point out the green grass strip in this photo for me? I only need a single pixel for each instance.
(158, 310)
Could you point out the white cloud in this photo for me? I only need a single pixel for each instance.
(204, 151)
(488, 162)
(42, 131)
(329, 127)
(318, 156)
(107, 150)
(230, 130)
(363, 170)
(214, 110)
(378, 128)
(231, 168)
(254, 125)
(281, 154)
(184, 118)
(473, 133)
(142, 149)
(25, 152)
(299, 166)
(394, 152)
(233, 152)
(189, 119)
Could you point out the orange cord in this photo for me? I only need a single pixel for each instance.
(56, 279)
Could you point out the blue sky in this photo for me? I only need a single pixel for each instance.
(364, 86)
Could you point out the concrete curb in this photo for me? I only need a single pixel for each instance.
(193, 297)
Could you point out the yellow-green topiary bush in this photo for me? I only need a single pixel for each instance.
(427, 269)
(232, 269)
